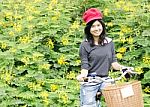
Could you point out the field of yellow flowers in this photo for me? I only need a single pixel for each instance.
(39, 44)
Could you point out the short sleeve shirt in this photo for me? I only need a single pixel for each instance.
(97, 58)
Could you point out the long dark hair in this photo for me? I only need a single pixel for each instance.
(89, 36)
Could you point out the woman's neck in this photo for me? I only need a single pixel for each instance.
(96, 40)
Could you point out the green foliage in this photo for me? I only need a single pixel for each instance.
(39, 42)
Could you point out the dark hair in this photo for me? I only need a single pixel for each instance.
(89, 36)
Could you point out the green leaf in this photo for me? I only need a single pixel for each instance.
(147, 75)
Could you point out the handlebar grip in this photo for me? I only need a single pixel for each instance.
(129, 71)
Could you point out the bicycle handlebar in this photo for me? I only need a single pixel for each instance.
(109, 80)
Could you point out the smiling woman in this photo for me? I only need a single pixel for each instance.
(97, 55)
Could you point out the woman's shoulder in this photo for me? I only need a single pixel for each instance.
(85, 42)
(107, 40)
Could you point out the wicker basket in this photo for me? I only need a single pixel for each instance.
(124, 95)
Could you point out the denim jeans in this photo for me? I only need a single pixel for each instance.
(88, 94)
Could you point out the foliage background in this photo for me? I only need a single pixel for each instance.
(39, 42)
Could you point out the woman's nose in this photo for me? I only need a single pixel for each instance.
(96, 28)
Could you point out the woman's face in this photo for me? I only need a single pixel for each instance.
(96, 29)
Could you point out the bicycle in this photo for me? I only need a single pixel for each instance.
(125, 95)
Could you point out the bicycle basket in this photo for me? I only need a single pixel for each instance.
(124, 95)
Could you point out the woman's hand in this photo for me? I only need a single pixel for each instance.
(83, 74)
(116, 66)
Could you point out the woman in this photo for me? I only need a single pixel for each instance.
(97, 57)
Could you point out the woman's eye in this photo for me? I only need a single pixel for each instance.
(93, 26)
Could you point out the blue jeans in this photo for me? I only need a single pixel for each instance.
(88, 94)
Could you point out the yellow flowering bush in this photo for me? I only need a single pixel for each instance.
(39, 47)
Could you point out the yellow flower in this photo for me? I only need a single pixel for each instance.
(50, 7)
(54, 2)
(13, 50)
(57, 14)
(3, 45)
(147, 89)
(78, 62)
(34, 86)
(54, 18)
(1, 23)
(119, 55)
(121, 34)
(45, 66)
(17, 27)
(53, 87)
(50, 44)
(44, 94)
(29, 8)
(64, 97)
(106, 11)
(126, 8)
(31, 85)
(64, 40)
(139, 70)
(146, 59)
(122, 49)
(25, 60)
(36, 56)
(7, 76)
(16, 16)
(75, 25)
(71, 75)
(61, 60)
(41, 82)
(126, 29)
(25, 39)
(110, 24)
(11, 33)
(122, 39)
(130, 40)
(120, 3)
(8, 14)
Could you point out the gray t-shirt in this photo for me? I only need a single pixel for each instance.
(97, 58)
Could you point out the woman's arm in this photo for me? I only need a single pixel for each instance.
(116, 66)
(83, 53)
